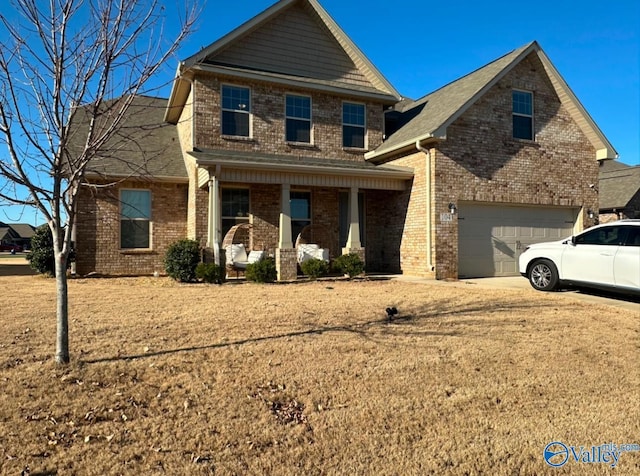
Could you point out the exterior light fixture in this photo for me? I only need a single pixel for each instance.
(452, 208)
(590, 213)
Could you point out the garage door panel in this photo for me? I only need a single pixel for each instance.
(491, 237)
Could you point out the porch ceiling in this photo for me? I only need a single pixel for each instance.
(301, 171)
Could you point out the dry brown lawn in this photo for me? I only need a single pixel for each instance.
(310, 378)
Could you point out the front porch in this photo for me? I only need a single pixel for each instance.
(348, 201)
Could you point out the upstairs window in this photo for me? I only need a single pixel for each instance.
(135, 219)
(298, 117)
(236, 111)
(353, 125)
(522, 115)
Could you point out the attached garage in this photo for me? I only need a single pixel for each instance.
(491, 237)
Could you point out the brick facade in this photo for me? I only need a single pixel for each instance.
(268, 124)
(98, 229)
(479, 161)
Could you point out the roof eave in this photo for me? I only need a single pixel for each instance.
(409, 145)
(149, 178)
(401, 173)
(292, 82)
(179, 93)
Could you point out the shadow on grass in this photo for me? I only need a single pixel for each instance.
(17, 269)
(398, 325)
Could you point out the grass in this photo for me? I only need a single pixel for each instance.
(312, 378)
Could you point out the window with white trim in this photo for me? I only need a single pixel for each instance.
(522, 114)
(236, 111)
(300, 212)
(135, 219)
(235, 207)
(298, 118)
(353, 125)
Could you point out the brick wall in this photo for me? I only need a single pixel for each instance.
(268, 108)
(98, 229)
(386, 215)
(480, 161)
(265, 208)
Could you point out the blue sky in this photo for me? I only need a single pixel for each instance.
(420, 46)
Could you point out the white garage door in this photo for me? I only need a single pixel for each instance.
(491, 238)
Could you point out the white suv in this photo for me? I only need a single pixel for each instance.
(605, 256)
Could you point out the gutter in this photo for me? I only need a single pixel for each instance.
(395, 172)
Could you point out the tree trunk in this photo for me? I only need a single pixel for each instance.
(62, 310)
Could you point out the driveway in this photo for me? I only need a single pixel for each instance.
(596, 297)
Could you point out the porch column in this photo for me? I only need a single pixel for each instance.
(354, 245)
(353, 240)
(286, 261)
(213, 219)
(284, 239)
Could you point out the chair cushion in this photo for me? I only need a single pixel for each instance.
(255, 256)
(236, 253)
(311, 250)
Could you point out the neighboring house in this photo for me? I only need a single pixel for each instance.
(16, 234)
(619, 191)
(7, 234)
(284, 122)
(25, 231)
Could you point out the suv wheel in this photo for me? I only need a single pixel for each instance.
(543, 275)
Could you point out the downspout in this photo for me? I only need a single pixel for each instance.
(427, 152)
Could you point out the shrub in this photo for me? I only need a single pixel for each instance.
(210, 273)
(181, 260)
(263, 271)
(41, 257)
(314, 268)
(350, 264)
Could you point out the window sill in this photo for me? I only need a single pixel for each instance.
(237, 138)
(137, 251)
(355, 150)
(301, 145)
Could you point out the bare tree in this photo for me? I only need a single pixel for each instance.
(55, 57)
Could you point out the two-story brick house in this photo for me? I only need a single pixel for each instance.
(284, 122)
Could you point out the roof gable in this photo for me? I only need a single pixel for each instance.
(429, 117)
(294, 41)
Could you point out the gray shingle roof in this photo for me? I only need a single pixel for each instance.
(23, 229)
(430, 113)
(618, 184)
(145, 146)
